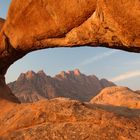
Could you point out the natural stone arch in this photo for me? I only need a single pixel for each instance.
(33, 25)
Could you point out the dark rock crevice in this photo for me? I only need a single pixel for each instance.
(5, 92)
(9, 55)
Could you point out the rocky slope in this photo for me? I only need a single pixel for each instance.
(118, 96)
(31, 86)
(64, 119)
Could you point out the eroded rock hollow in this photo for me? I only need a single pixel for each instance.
(32, 25)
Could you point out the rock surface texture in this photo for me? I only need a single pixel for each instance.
(38, 24)
(31, 86)
(118, 96)
(64, 119)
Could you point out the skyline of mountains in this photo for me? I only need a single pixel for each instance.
(31, 86)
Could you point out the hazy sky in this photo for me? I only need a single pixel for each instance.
(121, 67)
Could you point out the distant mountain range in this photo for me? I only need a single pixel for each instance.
(31, 86)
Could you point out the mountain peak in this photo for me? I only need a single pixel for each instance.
(64, 74)
(30, 74)
(27, 75)
(77, 72)
(41, 72)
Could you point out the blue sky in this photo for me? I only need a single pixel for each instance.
(121, 67)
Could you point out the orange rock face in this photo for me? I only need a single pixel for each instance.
(118, 96)
(71, 23)
(64, 119)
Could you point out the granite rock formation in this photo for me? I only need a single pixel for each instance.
(31, 86)
(38, 24)
(118, 96)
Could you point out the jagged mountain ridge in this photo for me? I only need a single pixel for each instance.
(31, 86)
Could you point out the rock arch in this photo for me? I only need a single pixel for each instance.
(33, 25)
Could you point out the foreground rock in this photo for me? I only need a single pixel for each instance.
(118, 96)
(31, 86)
(64, 119)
